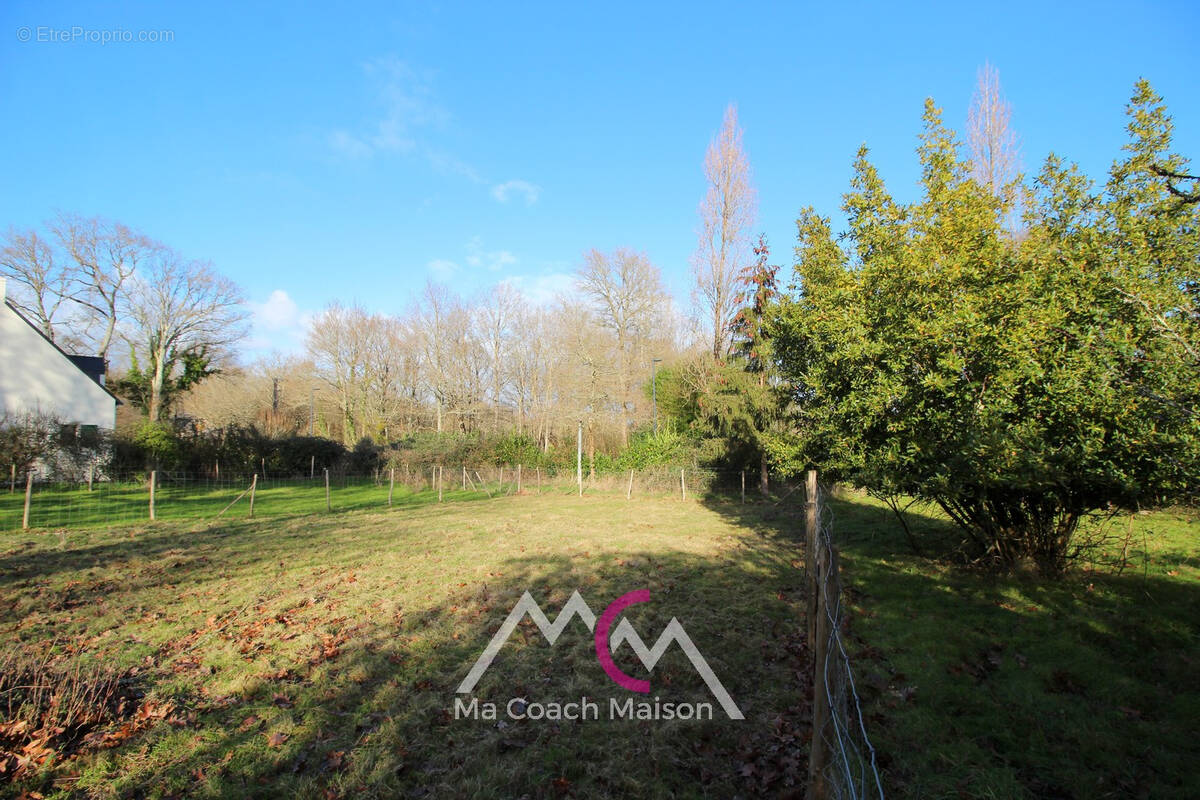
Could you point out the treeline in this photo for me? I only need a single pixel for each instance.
(495, 366)
(1023, 353)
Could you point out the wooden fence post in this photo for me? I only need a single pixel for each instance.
(464, 477)
(28, 499)
(312, 467)
(91, 475)
(682, 485)
(539, 471)
(810, 548)
(12, 479)
(328, 505)
(518, 478)
(153, 482)
(743, 487)
(253, 487)
(391, 484)
(439, 481)
(629, 491)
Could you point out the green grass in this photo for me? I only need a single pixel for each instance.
(108, 504)
(317, 655)
(1020, 687)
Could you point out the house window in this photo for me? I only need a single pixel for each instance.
(89, 435)
(66, 434)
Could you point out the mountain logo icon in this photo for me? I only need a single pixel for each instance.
(607, 640)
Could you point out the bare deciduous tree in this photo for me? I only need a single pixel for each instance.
(727, 215)
(336, 344)
(453, 361)
(995, 151)
(496, 316)
(178, 308)
(588, 380)
(106, 254)
(72, 283)
(29, 260)
(627, 292)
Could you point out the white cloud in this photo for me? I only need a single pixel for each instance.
(503, 192)
(491, 260)
(544, 289)
(409, 113)
(278, 312)
(277, 323)
(442, 269)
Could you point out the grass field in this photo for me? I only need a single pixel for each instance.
(317, 656)
(1019, 687)
(127, 502)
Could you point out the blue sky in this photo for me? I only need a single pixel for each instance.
(354, 151)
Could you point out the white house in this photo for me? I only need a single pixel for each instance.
(38, 377)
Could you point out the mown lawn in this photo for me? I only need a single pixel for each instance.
(317, 656)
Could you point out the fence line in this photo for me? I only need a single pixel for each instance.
(842, 762)
(842, 759)
(112, 499)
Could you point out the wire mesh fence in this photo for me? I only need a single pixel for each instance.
(842, 762)
(111, 500)
(842, 759)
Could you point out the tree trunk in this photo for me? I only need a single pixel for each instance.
(763, 479)
(591, 451)
(156, 386)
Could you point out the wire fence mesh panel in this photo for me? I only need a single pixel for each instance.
(843, 762)
(123, 499)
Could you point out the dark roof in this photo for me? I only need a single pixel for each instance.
(92, 366)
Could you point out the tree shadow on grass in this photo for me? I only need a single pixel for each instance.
(1013, 685)
(22, 559)
(337, 692)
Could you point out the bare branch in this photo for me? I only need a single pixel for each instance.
(995, 151)
(727, 215)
